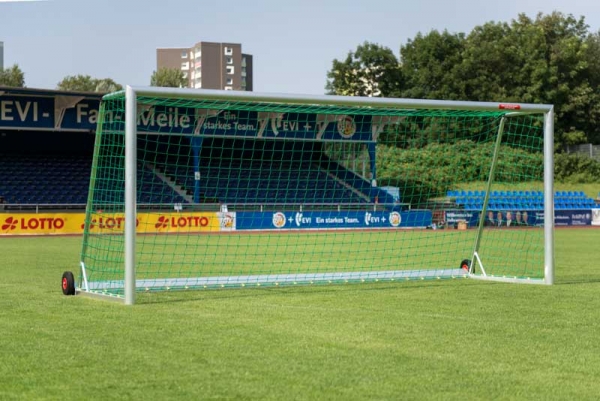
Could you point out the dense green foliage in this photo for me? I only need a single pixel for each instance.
(430, 171)
(12, 77)
(552, 59)
(576, 169)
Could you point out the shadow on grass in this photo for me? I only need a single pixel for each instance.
(240, 293)
(578, 280)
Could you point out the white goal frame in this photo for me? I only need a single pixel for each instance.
(512, 109)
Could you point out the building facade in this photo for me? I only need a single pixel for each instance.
(210, 65)
(1, 56)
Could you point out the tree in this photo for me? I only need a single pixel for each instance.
(107, 85)
(12, 77)
(551, 59)
(168, 77)
(429, 63)
(371, 70)
(85, 83)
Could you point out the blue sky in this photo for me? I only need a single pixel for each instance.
(293, 41)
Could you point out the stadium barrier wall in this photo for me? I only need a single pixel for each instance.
(109, 223)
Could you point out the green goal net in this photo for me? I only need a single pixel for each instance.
(243, 190)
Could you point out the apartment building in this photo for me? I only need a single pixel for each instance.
(210, 65)
(1, 56)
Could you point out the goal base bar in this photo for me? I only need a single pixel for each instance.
(100, 295)
(509, 279)
(277, 279)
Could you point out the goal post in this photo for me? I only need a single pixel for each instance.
(204, 189)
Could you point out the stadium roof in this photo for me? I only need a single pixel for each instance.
(6, 90)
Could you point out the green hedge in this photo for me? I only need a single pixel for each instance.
(431, 171)
(576, 169)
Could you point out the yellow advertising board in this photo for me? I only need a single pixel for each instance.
(74, 223)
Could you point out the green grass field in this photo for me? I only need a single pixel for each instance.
(515, 252)
(450, 339)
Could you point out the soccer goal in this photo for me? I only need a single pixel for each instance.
(202, 189)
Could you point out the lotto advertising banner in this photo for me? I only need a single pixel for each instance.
(331, 220)
(45, 223)
(112, 223)
(180, 222)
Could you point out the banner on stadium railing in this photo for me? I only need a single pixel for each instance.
(504, 218)
(596, 217)
(43, 110)
(291, 220)
(49, 110)
(522, 218)
(109, 223)
(572, 217)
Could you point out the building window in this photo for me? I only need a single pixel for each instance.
(228, 88)
(198, 53)
(228, 51)
(229, 81)
(184, 54)
(185, 66)
(229, 60)
(230, 69)
(185, 74)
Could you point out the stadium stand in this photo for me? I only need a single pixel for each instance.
(232, 171)
(64, 180)
(269, 172)
(520, 200)
(44, 179)
(264, 181)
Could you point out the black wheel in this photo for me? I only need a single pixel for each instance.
(68, 283)
(465, 265)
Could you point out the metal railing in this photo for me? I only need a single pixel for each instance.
(587, 150)
(203, 207)
(41, 207)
